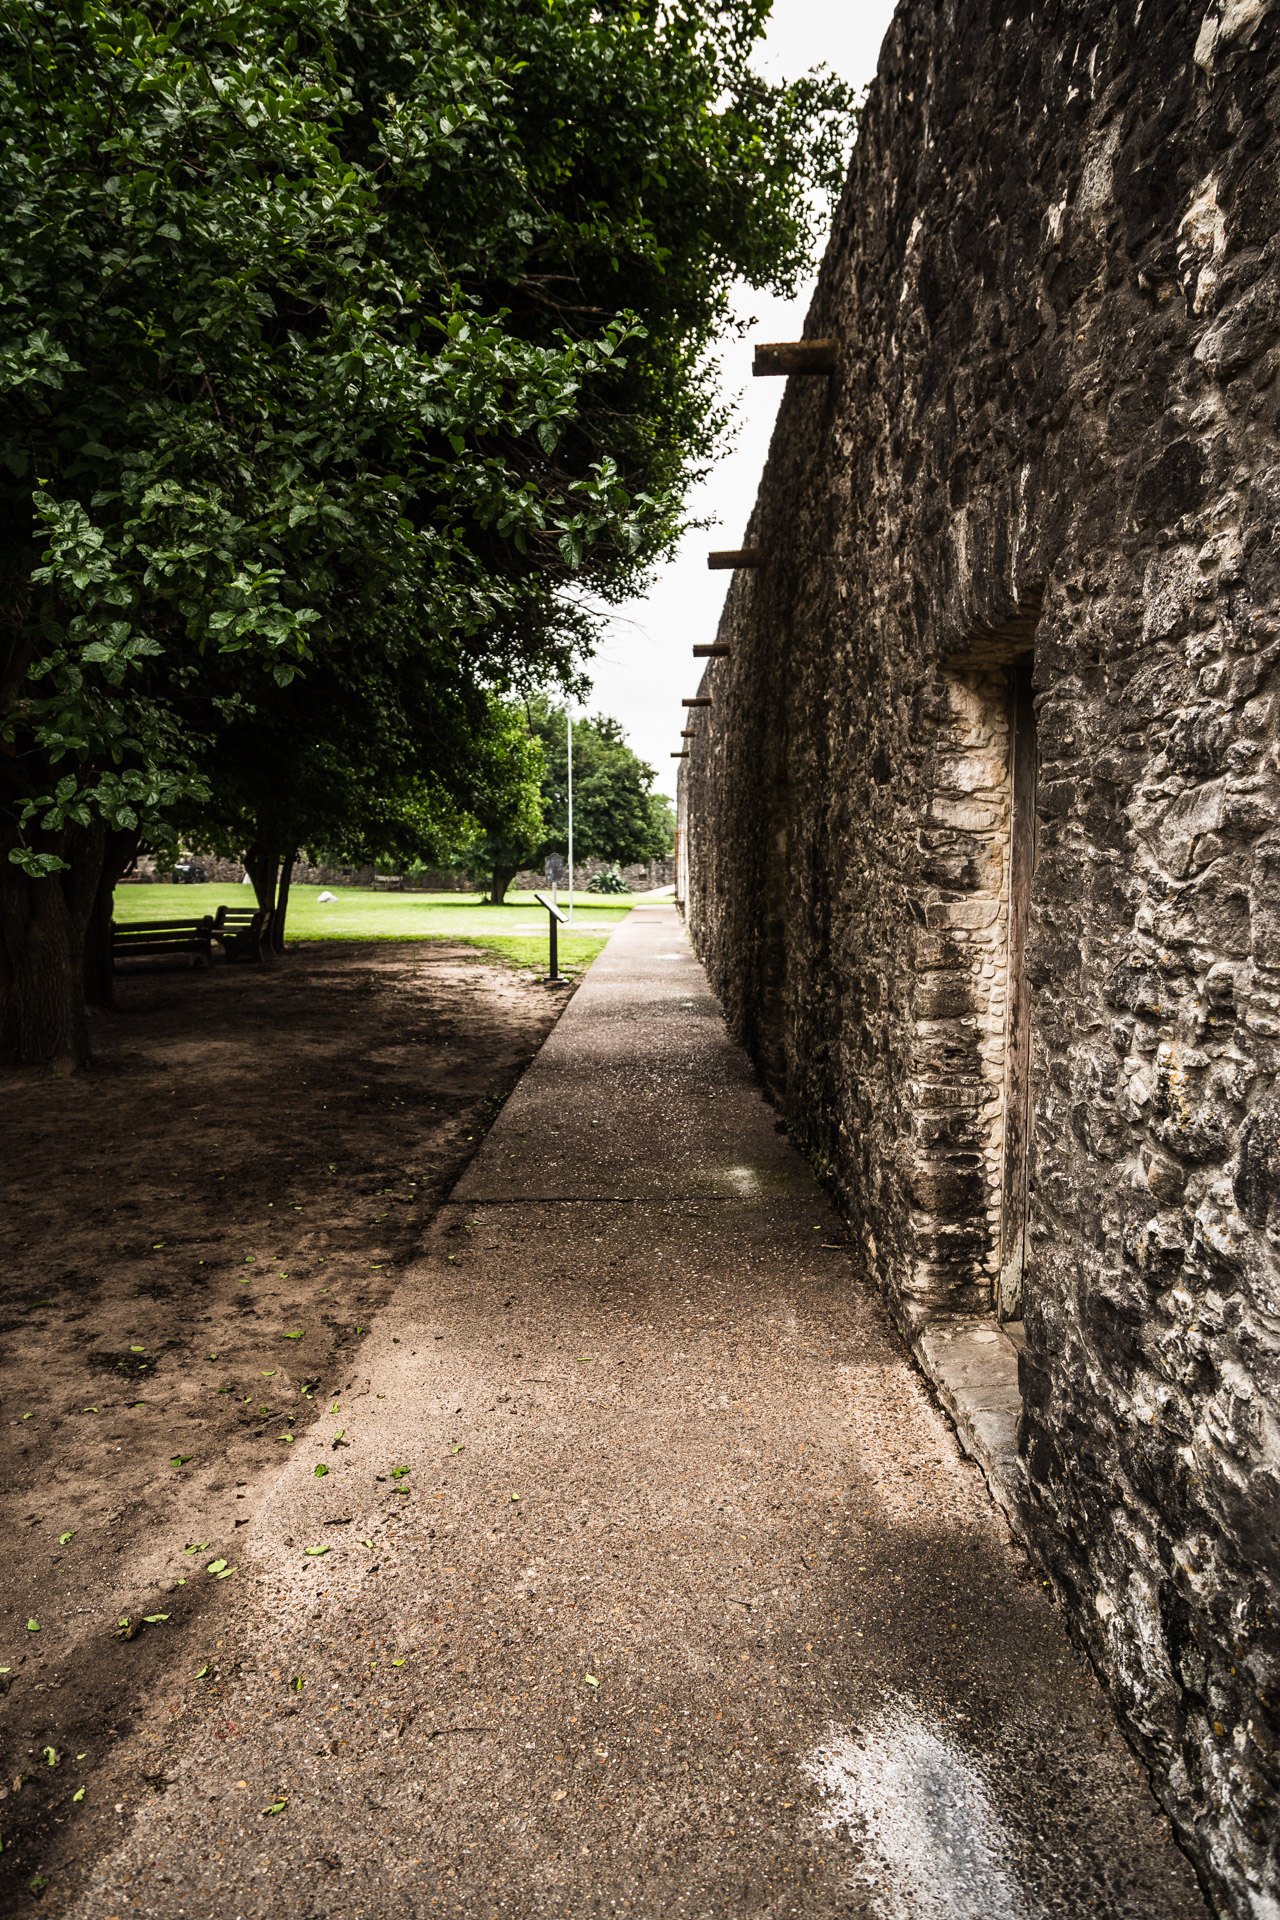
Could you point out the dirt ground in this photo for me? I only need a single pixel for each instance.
(195, 1236)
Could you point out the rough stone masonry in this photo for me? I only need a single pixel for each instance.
(980, 837)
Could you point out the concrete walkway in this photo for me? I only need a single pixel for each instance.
(688, 1603)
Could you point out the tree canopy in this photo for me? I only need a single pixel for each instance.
(349, 355)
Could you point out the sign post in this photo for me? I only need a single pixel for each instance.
(555, 918)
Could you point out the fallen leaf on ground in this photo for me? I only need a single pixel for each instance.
(316, 1551)
(181, 1459)
(277, 1806)
(33, 1626)
(203, 1671)
(296, 1336)
(215, 1566)
(320, 1470)
(79, 1794)
(151, 1619)
(591, 1680)
(201, 1546)
(63, 1538)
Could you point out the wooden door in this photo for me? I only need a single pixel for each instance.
(1025, 763)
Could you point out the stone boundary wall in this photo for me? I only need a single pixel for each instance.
(1051, 440)
(641, 875)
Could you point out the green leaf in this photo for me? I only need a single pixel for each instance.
(320, 1470)
(65, 1538)
(33, 1626)
(315, 1552)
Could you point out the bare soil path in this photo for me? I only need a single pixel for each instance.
(644, 1578)
(194, 1240)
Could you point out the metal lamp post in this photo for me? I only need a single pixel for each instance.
(568, 722)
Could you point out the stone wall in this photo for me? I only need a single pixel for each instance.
(1050, 446)
(642, 876)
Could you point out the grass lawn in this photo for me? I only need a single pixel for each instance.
(517, 931)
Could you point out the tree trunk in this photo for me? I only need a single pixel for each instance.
(502, 878)
(99, 973)
(282, 903)
(263, 866)
(42, 942)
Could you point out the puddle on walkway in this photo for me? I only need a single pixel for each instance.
(929, 1842)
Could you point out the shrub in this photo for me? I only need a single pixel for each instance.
(608, 880)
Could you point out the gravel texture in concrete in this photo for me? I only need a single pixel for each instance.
(645, 1577)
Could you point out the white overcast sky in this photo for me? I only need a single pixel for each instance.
(645, 665)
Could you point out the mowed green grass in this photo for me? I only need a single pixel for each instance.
(517, 931)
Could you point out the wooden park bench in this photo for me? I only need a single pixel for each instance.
(242, 932)
(145, 939)
(388, 883)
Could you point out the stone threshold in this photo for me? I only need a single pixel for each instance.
(973, 1365)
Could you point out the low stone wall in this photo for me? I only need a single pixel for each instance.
(642, 876)
(980, 838)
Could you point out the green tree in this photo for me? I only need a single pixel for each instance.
(340, 348)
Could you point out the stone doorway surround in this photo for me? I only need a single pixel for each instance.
(971, 1044)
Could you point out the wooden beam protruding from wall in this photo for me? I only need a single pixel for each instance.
(716, 650)
(699, 700)
(776, 358)
(688, 733)
(681, 756)
(735, 557)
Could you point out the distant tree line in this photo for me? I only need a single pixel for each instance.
(352, 360)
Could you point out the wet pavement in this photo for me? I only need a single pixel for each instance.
(645, 1578)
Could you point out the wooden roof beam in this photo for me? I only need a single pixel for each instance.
(732, 558)
(775, 359)
(717, 650)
